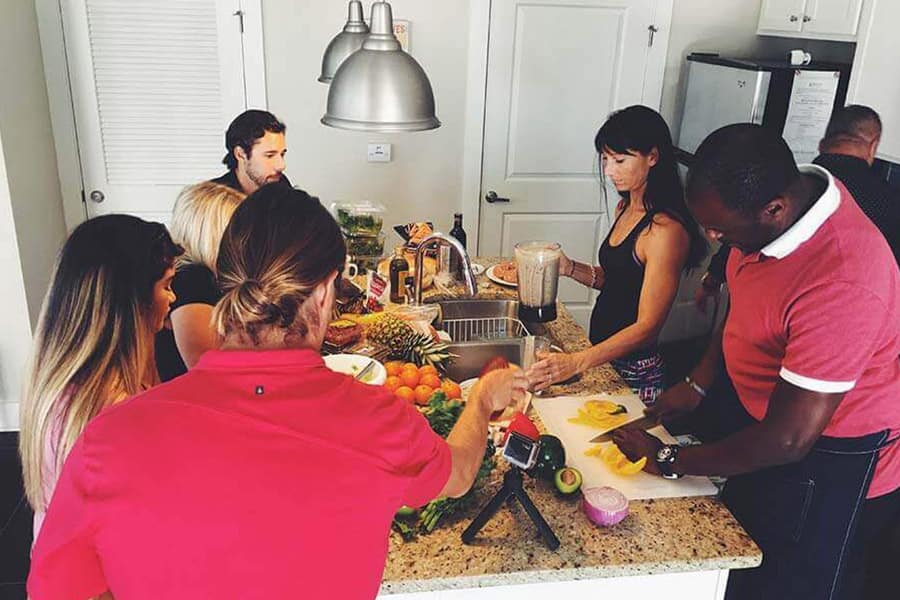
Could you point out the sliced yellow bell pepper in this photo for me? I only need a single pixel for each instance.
(616, 459)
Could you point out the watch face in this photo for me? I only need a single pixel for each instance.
(664, 454)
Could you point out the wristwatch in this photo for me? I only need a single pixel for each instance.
(665, 460)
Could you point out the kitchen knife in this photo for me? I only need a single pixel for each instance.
(643, 423)
(364, 372)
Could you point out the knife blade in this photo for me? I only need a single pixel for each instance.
(365, 370)
(643, 423)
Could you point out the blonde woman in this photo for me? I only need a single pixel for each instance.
(200, 216)
(93, 347)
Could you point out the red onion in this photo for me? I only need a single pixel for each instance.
(604, 506)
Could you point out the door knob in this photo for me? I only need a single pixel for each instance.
(97, 196)
(807, 18)
(493, 197)
(793, 19)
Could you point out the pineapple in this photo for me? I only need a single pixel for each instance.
(405, 344)
(391, 331)
(422, 349)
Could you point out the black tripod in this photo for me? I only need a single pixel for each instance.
(512, 487)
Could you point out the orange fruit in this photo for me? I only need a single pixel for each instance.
(428, 370)
(410, 365)
(452, 389)
(431, 380)
(393, 367)
(393, 382)
(409, 378)
(423, 393)
(405, 393)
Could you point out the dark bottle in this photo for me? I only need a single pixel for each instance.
(399, 270)
(460, 234)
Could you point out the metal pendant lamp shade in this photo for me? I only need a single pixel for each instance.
(345, 43)
(380, 87)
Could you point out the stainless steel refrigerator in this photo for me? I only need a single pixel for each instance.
(796, 101)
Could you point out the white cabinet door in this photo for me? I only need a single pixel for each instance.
(832, 17)
(556, 69)
(154, 85)
(874, 81)
(781, 15)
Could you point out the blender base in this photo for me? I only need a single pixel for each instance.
(537, 314)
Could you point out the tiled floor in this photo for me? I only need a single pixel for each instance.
(15, 521)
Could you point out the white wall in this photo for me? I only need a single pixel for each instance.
(15, 341)
(424, 179)
(30, 156)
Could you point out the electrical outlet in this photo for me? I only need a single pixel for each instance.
(379, 153)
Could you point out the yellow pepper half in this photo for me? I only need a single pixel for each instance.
(616, 460)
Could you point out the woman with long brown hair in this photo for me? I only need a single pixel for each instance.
(652, 241)
(109, 295)
(271, 472)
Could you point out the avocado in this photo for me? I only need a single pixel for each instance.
(551, 457)
(568, 480)
(406, 511)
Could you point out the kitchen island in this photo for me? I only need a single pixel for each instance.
(677, 547)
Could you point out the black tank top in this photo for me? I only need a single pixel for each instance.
(617, 305)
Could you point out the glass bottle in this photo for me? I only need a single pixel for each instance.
(460, 234)
(399, 270)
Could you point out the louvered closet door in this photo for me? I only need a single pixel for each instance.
(155, 84)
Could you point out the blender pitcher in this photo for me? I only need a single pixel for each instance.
(538, 270)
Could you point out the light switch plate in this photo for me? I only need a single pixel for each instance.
(379, 153)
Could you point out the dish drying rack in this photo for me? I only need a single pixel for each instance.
(484, 328)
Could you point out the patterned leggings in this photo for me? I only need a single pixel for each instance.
(645, 374)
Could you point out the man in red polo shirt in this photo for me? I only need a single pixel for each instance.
(811, 345)
(260, 473)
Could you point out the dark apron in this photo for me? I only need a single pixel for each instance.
(802, 515)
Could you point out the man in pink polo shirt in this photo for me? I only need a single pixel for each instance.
(811, 345)
(260, 473)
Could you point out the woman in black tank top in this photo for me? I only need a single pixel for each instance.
(652, 240)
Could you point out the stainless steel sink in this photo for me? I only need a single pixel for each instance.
(473, 320)
(482, 330)
(472, 356)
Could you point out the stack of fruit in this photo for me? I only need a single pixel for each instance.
(417, 384)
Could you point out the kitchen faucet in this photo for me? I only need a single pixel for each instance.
(437, 239)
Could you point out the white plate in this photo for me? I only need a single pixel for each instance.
(506, 417)
(351, 364)
(497, 280)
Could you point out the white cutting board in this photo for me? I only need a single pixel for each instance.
(555, 413)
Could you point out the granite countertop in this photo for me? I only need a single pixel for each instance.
(659, 536)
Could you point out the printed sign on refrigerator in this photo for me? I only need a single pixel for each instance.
(812, 99)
